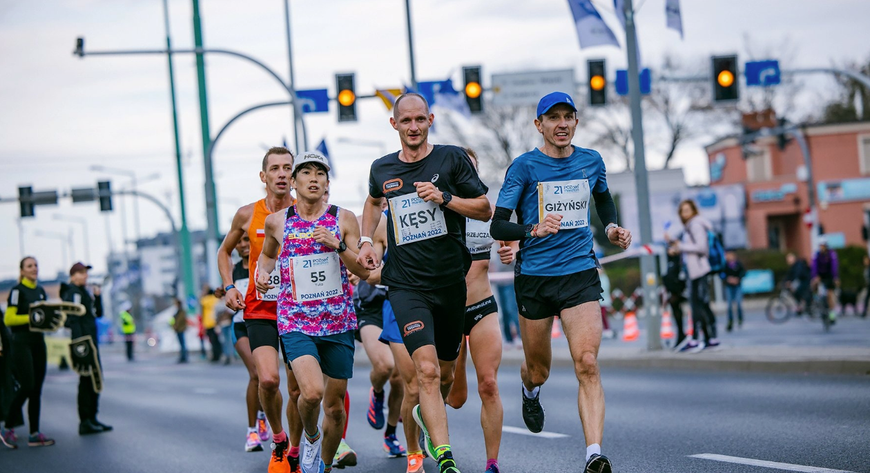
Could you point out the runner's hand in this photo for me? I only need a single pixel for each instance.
(619, 237)
(506, 254)
(325, 237)
(96, 290)
(429, 193)
(367, 258)
(263, 285)
(353, 279)
(550, 226)
(235, 299)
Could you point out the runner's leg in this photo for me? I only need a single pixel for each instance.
(485, 345)
(294, 422)
(252, 399)
(334, 417)
(582, 327)
(266, 362)
(432, 384)
(405, 366)
(538, 352)
(459, 392)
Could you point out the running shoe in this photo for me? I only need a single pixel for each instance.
(376, 410)
(427, 440)
(279, 463)
(9, 436)
(10, 443)
(39, 440)
(598, 464)
(698, 348)
(689, 346)
(252, 444)
(713, 343)
(344, 456)
(393, 447)
(492, 469)
(533, 412)
(415, 463)
(310, 460)
(263, 429)
(446, 464)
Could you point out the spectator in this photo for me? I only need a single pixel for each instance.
(675, 285)
(225, 322)
(694, 247)
(733, 274)
(179, 325)
(7, 382)
(798, 281)
(826, 271)
(208, 301)
(128, 328)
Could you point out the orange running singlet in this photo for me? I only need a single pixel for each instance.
(260, 306)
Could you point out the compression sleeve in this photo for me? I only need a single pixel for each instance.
(503, 229)
(605, 207)
(12, 318)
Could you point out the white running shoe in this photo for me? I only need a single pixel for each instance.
(310, 461)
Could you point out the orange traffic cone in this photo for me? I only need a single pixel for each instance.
(667, 331)
(630, 331)
(690, 326)
(556, 332)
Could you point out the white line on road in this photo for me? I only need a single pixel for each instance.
(765, 464)
(546, 435)
(205, 391)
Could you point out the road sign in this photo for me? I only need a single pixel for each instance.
(762, 73)
(622, 82)
(527, 88)
(313, 101)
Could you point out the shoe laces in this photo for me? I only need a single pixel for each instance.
(279, 450)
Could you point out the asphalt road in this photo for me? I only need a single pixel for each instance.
(171, 418)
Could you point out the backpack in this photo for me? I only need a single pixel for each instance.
(715, 252)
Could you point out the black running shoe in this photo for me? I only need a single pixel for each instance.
(598, 464)
(533, 413)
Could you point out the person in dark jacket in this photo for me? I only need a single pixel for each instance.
(76, 291)
(798, 280)
(7, 382)
(675, 284)
(733, 274)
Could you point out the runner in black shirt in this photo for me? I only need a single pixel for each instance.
(430, 189)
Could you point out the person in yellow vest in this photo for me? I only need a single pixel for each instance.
(209, 322)
(128, 328)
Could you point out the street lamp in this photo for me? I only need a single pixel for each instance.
(63, 238)
(84, 223)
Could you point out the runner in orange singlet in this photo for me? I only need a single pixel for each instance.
(261, 310)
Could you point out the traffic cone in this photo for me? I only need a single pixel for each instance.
(690, 326)
(556, 332)
(630, 331)
(667, 331)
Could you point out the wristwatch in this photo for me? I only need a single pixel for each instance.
(447, 197)
(231, 286)
(341, 247)
(608, 227)
(364, 239)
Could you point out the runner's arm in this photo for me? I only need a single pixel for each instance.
(350, 231)
(225, 252)
(371, 215)
(380, 247)
(503, 229)
(477, 208)
(605, 207)
(271, 246)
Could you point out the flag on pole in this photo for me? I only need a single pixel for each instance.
(591, 29)
(449, 98)
(389, 96)
(675, 17)
(322, 149)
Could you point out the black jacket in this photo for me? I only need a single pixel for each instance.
(799, 272)
(737, 270)
(85, 324)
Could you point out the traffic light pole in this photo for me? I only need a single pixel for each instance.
(411, 44)
(186, 258)
(648, 272)
(297, 108)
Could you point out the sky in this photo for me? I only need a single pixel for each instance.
(61, 115)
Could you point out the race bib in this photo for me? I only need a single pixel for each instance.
(477, 237)
(567, 198)
(315, 277)
(415, 219)
(274, 281)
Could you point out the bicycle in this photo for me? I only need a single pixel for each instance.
(782, 305)
(819, 306)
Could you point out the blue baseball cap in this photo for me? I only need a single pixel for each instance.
(552, 99)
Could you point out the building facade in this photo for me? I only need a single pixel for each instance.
(776, 183)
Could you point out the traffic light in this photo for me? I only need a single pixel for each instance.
(725, 84)
(346, 96)
(25, 201)
(473, 89)
(105, 190)
(597, 81)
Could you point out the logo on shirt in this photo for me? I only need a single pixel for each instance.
(435, 178)
(392, 184)
(412, 327)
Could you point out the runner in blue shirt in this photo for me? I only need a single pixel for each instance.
(549, 188)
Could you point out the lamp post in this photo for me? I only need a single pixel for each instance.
(63, 239)
(85, 241)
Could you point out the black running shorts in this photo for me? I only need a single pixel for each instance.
(368, 316)
(240, 330)
(262, 332)
(476, 312)
(539, 297)
(434, 317)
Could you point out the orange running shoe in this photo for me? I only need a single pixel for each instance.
(279, 463)
(415, 463)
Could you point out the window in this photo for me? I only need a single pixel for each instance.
(864, 153)
(758, 166)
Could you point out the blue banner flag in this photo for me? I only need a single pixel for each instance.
(322, 149)
(591, 29)
(313, 101)
(674, 16)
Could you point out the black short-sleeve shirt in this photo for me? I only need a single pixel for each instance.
(426, 262)
(21, 297)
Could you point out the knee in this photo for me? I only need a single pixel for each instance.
(487, 387)
(446, 377)
(312, 396)
(269, 383)
(335, 412)
(382, 368)
(294, 393)
(428, 373)
(586, 366)
(537, 374)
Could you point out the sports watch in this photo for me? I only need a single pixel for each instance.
(447, 197)
(341, 247)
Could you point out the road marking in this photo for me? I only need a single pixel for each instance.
(765, 464)
(546, 435)
(205, 391)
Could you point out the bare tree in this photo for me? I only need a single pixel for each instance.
(853, 99)
(783, 97)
